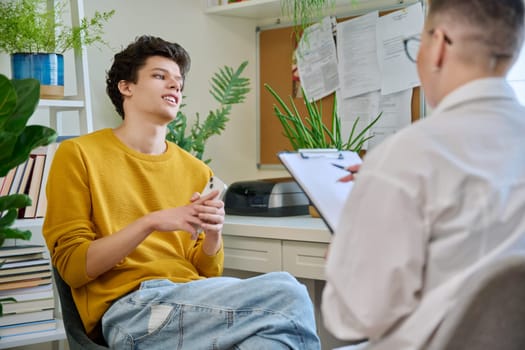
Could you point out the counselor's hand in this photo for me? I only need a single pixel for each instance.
(352, 169)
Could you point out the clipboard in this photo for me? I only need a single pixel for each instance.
(314, 172)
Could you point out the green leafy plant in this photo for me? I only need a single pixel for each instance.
(305, 12)
(18, 100)
(228, 87)
(29, 26)
(311, 132)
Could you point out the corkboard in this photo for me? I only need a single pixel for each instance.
(276, 48)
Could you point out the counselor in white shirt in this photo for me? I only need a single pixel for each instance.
(441, 198)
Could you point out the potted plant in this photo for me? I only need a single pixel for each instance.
(36, 37)
(311, 132)
(228, 87)
(305, 12)
(18, 100)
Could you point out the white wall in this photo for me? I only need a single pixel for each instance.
(212, 42)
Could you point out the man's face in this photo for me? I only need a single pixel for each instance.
(158, 90)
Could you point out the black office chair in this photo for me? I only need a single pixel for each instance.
(76, 335)
(490, 313)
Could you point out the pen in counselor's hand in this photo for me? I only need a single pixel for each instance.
(352, 169)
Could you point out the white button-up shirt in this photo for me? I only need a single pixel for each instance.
(430, 205)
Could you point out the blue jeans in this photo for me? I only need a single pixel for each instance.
(271, 311)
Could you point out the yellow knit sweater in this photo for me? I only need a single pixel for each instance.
(97, 186)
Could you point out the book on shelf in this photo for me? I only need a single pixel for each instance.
(17, 250)
(39, 163)
(8, 180)
(34, 316)
(25, 270)
(42, 200)
(35, 183)
(23, 257)
(27, 328)
(26, 276)
(19, 172)
(26, 306)
(30, 293)
(17, 264)
(33, 282)
(26, 176)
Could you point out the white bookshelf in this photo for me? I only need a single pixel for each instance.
(58, 110)
(29, 223)
(66, 104)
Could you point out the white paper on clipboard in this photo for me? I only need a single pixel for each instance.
(317, 177)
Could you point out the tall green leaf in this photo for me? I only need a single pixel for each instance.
(18, 100)
(310, 131)
(228, 87)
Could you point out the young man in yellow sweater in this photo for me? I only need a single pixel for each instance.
(122, 224)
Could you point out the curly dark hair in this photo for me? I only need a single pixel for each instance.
(127, 63)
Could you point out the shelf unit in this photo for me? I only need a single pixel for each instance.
(80, 103)
(56, 335)
(271, 9)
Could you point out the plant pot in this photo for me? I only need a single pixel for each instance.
(47, 68)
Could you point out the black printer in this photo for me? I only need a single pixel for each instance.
(266, 197)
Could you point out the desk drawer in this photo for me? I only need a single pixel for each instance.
(304, 259)
(252, 254)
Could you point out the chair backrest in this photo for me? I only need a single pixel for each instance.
(76, 335)
(490, 313)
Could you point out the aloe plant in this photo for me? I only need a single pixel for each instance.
(311, 132)
(18, 101)
(228, 87)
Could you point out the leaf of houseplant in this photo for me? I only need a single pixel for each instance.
(7, 100)
(31, 137)
(18, 101)
(8, 214)
(9, 217)
(313, 133)
(14, 201)
(13, 233)
(32, 26)
(27, 95)
(228, 87)
(356, 143)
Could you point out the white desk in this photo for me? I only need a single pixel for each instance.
(296, 244)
